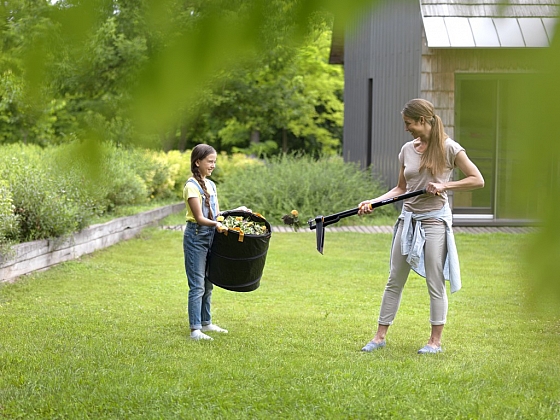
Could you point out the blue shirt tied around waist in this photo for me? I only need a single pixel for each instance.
(414, 237)
(213, 199)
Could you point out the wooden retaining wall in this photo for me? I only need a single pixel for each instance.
(40, 255)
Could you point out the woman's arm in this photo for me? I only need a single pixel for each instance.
(400, 188)
(472, 181)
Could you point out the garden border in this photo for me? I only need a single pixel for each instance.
(40, 255)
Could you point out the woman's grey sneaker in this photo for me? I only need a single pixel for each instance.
(371, 346)
(430, 350)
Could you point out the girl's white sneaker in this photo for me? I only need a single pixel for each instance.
(214, 328)
(199, 335)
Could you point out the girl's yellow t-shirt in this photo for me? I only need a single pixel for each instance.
(191, 190)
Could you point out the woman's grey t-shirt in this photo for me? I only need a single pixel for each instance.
(410, 158)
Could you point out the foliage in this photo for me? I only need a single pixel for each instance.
(287, 99)
(178, 166)
(68, 70)
(323, 186)
(71, 188)
(243, 224)
(229, 163)
(58, 190)
(106, 337)
(47, 202)
(9, 221)
(538, 174)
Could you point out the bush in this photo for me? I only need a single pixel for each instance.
(54, 191)
(312, 187)
(45, 206)
(9, 222)
(228, 164)
(166, 173)
(122, 171)
(180, 167)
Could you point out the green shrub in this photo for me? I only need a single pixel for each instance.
(180, 169)
(110, 175)
(54, 191)
(9, 221)
(49, 199)
(160, 174)
(43, 205)
(121, 176)
(228, 164)
(312, 187)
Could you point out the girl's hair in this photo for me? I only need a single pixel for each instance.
(433, 157)
(199, 152)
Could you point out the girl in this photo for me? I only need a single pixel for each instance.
(201, 201)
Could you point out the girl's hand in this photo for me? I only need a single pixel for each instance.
(220, 228)
(365, 207)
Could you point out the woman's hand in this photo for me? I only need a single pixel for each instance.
(243, 208)
(365, 207)
(435, 188)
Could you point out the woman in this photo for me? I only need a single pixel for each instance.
(423, 238)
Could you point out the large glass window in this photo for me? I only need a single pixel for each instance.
(487, 126)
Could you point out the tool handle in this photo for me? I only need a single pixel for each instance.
(333, 218)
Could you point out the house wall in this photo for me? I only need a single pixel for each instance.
(382, 56)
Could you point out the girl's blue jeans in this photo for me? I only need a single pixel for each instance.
(196, 243)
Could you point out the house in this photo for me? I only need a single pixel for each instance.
(468, 58)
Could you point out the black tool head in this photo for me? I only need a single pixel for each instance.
(320, 233)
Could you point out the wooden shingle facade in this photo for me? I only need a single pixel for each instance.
(467, 58)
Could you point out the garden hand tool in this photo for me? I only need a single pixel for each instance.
(320, 222)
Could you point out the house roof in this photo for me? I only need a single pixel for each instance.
(489, 23)
(336, 55)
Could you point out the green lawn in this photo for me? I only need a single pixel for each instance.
(105, 337)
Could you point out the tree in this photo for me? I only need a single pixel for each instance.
(288, 98)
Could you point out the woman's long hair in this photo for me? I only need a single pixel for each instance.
(433, 158)
(199, 152)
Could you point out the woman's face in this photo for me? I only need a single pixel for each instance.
(419, 128)
(207, 165)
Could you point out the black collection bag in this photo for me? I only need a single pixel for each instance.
(236, 261)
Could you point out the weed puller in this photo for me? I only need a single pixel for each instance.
(320, 222)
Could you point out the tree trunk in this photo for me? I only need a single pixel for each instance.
(183, 138)
(284, 141)
(255, 136)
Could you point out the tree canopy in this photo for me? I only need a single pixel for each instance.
(244, 75)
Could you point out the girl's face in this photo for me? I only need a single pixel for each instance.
(207, 165)
(418, 128)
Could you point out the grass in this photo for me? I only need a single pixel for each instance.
(105, 337)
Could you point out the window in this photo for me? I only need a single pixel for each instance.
(488, 114)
